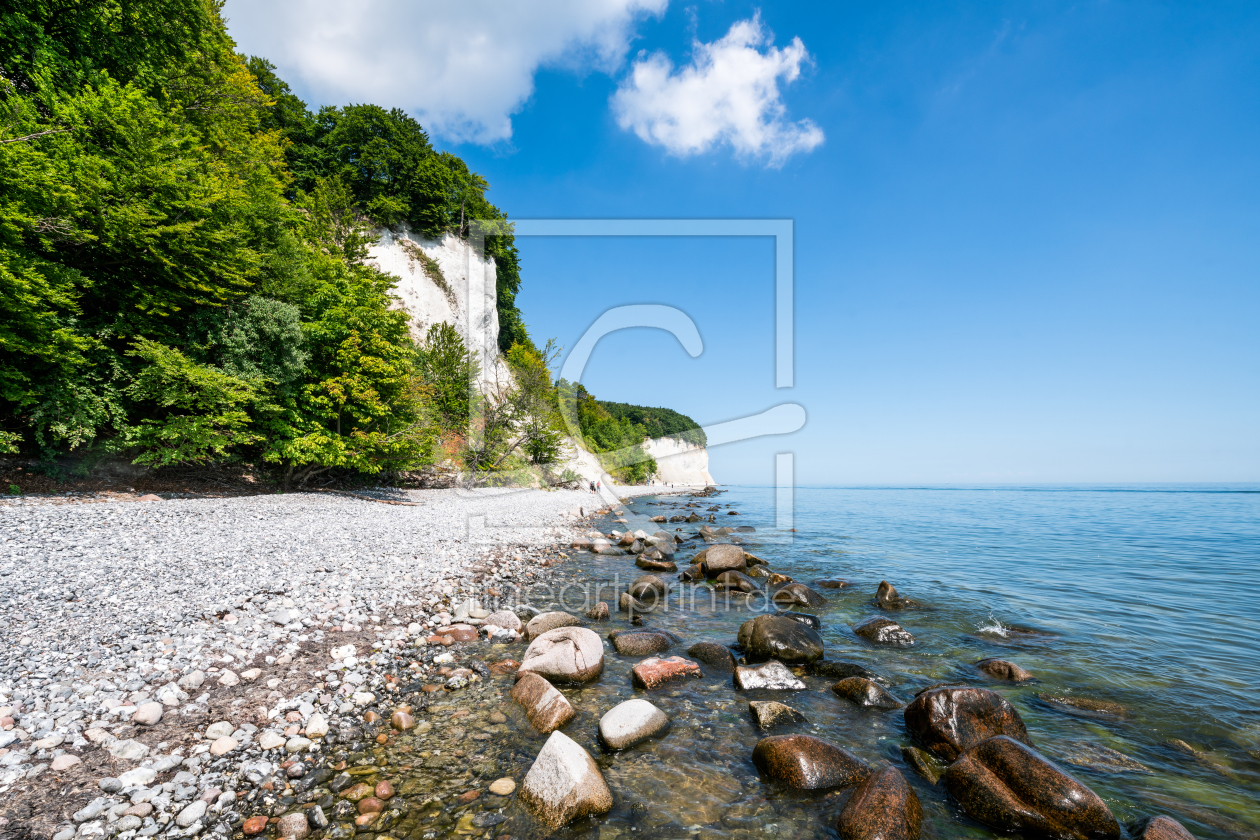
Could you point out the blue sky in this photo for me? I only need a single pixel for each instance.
(1027, 234)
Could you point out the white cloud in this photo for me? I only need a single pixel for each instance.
(462, 68)
(728, 94)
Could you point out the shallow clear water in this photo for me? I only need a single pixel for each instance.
(1145, 597)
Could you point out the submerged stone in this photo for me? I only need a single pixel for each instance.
(564, 784)
(807, 763)
(771, 713)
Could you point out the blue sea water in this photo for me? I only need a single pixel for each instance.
(1143, 597)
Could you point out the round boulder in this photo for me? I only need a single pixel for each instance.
(722, 558)
(883, 631)
(1161, 828)
(643, 642)
(565, 655)
(506, 619)
(717, 657)
(1000, 669)
(883, 807)
(949, 721)
(1009, 786)
(804, 762)
(540, 624)
(735, 580)
(630, 723)
(798, 594)
(866, 693)
(776, 637)
(649, 588)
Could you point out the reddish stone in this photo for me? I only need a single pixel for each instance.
(384, 790)
(465, 798)
(507, 666)
(434, 639)
(254, 825)
(382, 738)
(655, 672)
(293, 717)
(463, 633)
(366, 819)
(370, 805)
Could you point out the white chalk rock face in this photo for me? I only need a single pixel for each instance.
(679, 462)
(564, 784)
(630, 723)
(566, 655)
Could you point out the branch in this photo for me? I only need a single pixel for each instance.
(36, 134)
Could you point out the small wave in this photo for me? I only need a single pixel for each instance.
(994, 627)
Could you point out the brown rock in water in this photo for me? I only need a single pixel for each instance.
(695, 572)
(650, 589)
(886, 597)
(599, 612)
(804, 618)
(546, 708)
(655, 672)
(807, 763)
(923, 763)
(772, 713)
(831, 583)
(369, 805)
(564, 784)
(384, 790)
(777, 579)
(798, 594)
(1083, 706)
(776, 637)
(1000, 669)
(717, 657)
(735, 580)
(883, 631)
(294, 826)
(254, 825)
(566, 655)
(753, 560)
(356, 792)
(863, 692)
(721, 558)
(643, 642)
(1009, 786)
(540, 624)
(882, 808)
(839, 669)
(655, 564)
(504, 667)
(402, 721)
(1161, 828)
(949, 721)
(657, 519)
(628, 603)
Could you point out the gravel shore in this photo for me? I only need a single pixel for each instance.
(134, 632)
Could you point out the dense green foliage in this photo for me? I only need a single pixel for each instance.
(617, 441)
(182, 245)
(657, 422)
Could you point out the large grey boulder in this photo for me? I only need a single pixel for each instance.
(540, 624)
(777, 637)
(564, 783)
(546, 708)
(571, 655)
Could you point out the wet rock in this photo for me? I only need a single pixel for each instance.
(254, 825)
(717, 657)
(691, 573)
(540, 624)
(564, 783)
(922, 762)
(883, 631)
(402, 721)
(655, 672)
(886, 597)
(1000, 669)
(656, 564)
(630, 723)
(1083, 706)
(643, 642)
(804, 618)
(629, 604)
(776, 637)
(831, 583)
(807, 763)
(503, 787)
(866, 693)
(798, 594)
(1161, 828)
(599, 612)
(776, 578)
(1009, 786)
(649, 589)
(717, 559)
(506, 619)
(883, 807)
(503, 667)
(751, 559)
(772, 676)
(293, 825)
(771, 713)
(566, 655)
(1099, 758)
(951, 720)
(735, 580)
(839, 669)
